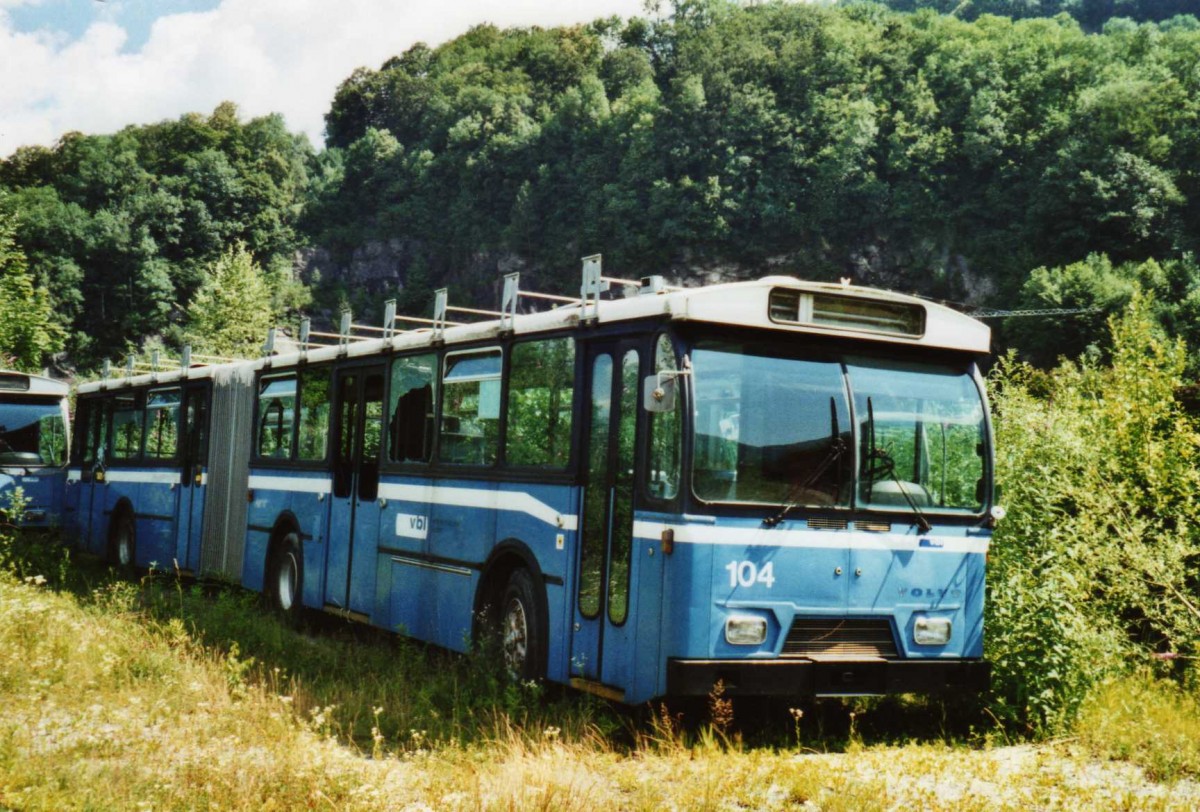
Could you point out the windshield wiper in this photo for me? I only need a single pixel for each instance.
(879, 461)
(837, 447)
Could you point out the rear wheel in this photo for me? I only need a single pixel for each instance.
(122, 543)
(285, 578)
(522, 628)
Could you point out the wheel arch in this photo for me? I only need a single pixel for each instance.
(507, 556)
(285, 522)
(124, 506)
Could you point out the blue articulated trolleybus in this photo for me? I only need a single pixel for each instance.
(778, 485)
(33, 445)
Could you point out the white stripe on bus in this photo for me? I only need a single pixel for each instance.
(515, 501)
(143, 477)
(76, 475)
(812, 539)
(291, 483)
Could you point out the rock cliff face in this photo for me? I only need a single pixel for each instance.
(378, 266)
(383, 269)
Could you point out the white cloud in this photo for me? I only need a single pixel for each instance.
(284, 56)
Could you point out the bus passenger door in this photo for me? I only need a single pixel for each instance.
(603, 629)
(193, 458)
(94, 414)
(355, 512)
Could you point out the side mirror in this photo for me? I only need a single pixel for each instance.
(658, 393)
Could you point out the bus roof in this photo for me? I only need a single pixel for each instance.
(778, 303)
(25, 384)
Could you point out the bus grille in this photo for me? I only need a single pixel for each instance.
(839, 637)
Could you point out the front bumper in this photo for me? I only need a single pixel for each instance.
(826, 677)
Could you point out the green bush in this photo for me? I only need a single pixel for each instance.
(1092, 567)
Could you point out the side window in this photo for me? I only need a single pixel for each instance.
(127, 426)
(662, 480)
(82, 430)
(276, 413)
(314, 414)
(410, 429)
(195, 432)
(469, 432)
(52, 439)
(621, 544)
(162, 425)
(540, 388)
(97, 438)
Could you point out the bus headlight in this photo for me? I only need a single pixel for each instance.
(741, 630)
(931, 631)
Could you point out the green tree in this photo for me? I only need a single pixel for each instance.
(231, 312)
(121, 228)
(1103, 289)
(29, 334)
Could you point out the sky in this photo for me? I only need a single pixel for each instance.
(95, 66)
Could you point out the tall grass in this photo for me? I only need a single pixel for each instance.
(365, 684)
(105, 707)
(1151, 722)
(159, 694)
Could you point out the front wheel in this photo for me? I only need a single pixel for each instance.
(285, 578)
(522, 628)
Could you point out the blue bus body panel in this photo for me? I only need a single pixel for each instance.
(414, 585)
(436, 537)
(76, 511)
(43, 489)
(89, 524)
(299, 495)
(189, 525)
(153, 495)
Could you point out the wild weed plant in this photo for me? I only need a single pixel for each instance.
(1095, 566)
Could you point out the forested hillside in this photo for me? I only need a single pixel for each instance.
(1092, 14)
(920, 151)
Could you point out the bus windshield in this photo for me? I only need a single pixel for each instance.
(32, 432)
(777, 430)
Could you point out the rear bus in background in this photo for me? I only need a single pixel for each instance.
(33, 445)
(782, 486)
(140, 488)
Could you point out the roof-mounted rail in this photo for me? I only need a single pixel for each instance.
(594, 284)
(187, 359)
(349, 332)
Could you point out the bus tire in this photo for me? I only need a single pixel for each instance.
(285, 578)
(122, 542)
(522, 628)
